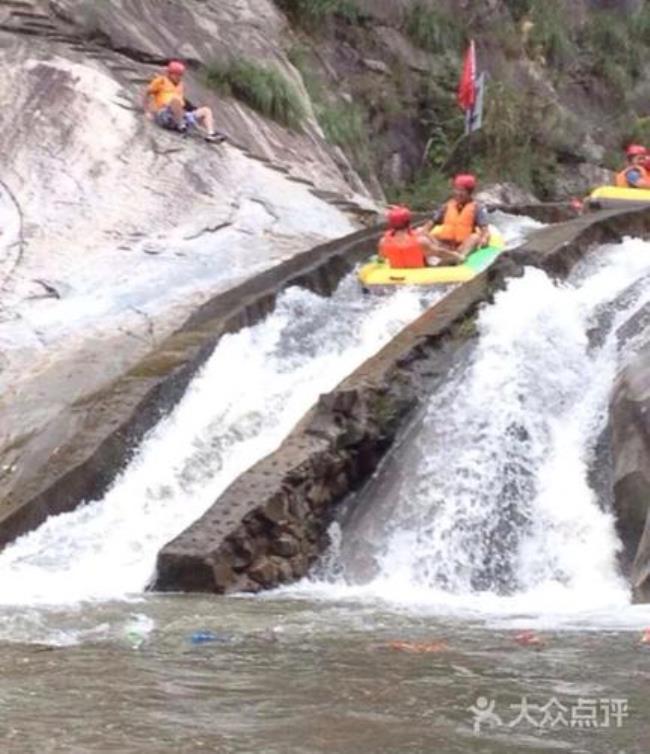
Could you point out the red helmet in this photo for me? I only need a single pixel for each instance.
(399, 217)
(634, 150)
(176, 67)
(467, 182)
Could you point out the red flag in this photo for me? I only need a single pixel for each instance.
(467, 87)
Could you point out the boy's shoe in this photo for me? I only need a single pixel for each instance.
(215, 137)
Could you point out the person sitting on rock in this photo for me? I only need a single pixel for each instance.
(635, 174)
(165, 102)
(403, 246)
(460, 226)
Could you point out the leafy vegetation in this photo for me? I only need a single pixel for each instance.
(528, 135)
(609, 39)
(549, 36)
(343, 123)
(519, 9)
(434, 30)
(516, 140)
(311, 13)
(265, 89)
(637, 133)
(429, 187)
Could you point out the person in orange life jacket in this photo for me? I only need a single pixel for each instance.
(636, 174)
(165, 102)
(403, 246)
(460, 226)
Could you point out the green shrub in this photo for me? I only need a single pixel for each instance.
(515, 143)
(428, 189)
(641, 25)
(637, 133)
(265, 89)
(311, 13)
(610, 40)
(519, 8)
(550, 34)
(434, 30)
(343, 124)
(508, 38)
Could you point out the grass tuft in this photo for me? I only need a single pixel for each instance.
(434, 30)
(265, 89)
(312, 13)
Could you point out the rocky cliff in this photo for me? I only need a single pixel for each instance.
(113, 231)
(630, 420)
(567, 87)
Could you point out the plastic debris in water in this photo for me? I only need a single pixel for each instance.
(645, 639)
(135, 639)
(204, 637)
(419, 647)
(529, 639)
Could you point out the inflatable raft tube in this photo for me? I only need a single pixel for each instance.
(613, 196)
(379, 273)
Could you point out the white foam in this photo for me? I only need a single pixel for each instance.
(497, 517)
(245, 400)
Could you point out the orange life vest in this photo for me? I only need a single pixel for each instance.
(621, 178)
(458, 224)
(402, 251)
(164, 90)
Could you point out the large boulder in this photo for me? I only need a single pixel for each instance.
(630, 424)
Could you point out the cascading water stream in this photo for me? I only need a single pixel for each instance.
(493, 508)
(255, 387)
(257, 384)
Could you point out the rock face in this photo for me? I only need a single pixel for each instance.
(630, 423)
(112, 231)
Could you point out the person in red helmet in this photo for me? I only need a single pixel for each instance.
(403, 246)
(165, 102)
(635, 174)
(460, 226)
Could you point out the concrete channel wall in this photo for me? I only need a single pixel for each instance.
(270, 525)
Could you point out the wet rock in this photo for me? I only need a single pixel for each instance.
(579, 180)
(319, 495)
(276, 511)
(286, 546)
(244, 551)
(265, 572)
(378, 66)
(637, 326)
(505, 193)
(630, 423)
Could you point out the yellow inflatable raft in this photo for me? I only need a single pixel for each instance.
(613, 196)
(379, 273)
